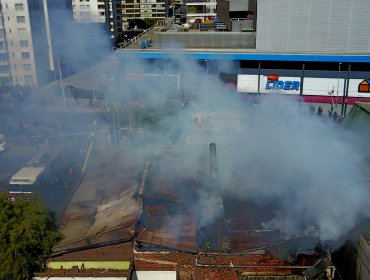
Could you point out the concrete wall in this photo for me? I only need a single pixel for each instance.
(333, 26)
(221, 40)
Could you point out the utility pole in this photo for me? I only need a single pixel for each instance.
(61, 83)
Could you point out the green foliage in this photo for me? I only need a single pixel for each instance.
(150, 22)
(27, 235)
(192, 10)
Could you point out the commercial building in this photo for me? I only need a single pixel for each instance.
(313, 26)
(326, 52)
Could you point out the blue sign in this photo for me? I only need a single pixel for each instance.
(282, 85)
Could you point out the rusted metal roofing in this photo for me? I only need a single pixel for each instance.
(104, 209)
(179, 190)
(176, 232)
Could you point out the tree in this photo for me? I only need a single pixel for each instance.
(27, 235)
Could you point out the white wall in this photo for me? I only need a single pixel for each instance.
(154, 275)
(311, 86)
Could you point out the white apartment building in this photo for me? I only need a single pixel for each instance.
(17, 61)
(89, 10)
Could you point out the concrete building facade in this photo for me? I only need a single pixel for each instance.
(142, 9)
(90, 10)
(27, 41)
(17, 61)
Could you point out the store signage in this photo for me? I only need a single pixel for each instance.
(364, 86)
(282, 85)
(273, 83)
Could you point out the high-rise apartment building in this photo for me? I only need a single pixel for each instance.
(99, 11)
(142, 9)
(90, 10)
(26, 40)
(115, 18)
(17, 60)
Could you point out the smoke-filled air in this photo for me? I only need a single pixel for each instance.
(303, 171)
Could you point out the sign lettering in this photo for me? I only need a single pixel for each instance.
(282, 85)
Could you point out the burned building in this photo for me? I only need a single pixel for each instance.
(154, 218)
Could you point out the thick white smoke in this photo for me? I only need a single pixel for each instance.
(305, 165)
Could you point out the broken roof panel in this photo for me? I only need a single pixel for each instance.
(172, 189)
(169, 240)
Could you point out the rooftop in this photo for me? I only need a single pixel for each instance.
(26, 175)
(196, 44)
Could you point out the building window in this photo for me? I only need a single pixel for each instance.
(19, 7)
(22, 31)
(2, 32)
(85, 14)
(23, 43)
(4, 68)
(21, 19)
(26, 66)
(2, 45)
(28, 80)
(4, 57)
(4, 80)
(25, 55)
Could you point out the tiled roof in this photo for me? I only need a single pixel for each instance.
(117, 252)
